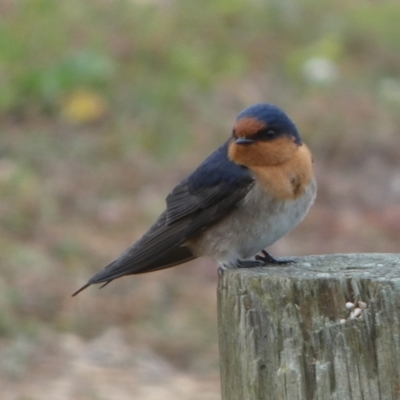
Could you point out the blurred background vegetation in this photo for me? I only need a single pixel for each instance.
(105, 105)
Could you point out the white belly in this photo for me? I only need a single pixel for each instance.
(255, 224)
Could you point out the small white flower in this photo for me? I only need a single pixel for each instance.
(320, 70)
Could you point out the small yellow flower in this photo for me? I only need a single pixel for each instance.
(84, 106)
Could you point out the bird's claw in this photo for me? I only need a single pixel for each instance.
(221, 269)
(267, 259)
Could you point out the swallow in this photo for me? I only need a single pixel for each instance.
(245, 196)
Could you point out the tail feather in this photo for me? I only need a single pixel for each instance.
(176, 256)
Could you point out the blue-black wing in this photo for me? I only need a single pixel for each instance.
(210, 193)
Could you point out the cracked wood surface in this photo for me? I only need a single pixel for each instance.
(285, 332)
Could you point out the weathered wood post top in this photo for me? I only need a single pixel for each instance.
(327, 327)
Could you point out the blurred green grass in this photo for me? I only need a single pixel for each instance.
(105, 105)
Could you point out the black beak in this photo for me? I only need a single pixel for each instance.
(244, 140)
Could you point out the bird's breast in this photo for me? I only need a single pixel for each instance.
(259, 220)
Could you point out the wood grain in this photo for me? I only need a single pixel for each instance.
(286, 334)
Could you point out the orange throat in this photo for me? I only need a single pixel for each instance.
(288, 180)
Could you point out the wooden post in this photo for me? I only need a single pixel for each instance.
(286, 334)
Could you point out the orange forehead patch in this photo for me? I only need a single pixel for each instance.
(247, 127)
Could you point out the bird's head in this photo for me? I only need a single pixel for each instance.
(263, 135)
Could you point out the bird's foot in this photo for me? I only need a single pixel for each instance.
(260, 261)
(249, 263)
(267, 259)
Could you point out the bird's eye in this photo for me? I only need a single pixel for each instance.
(267, 134)
(270, 133)
(234, 133)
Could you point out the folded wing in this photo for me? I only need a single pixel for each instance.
(204, 197)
